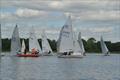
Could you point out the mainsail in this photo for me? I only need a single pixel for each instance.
(15, 42)
(81, 43)
(23, 46)
(104, 48)
(45, 44)
(66, 37)
(67, 41)
(33, 42)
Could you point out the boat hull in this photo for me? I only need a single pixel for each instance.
(107, 54)
(70, 56)
(47, 54)
(28, 55)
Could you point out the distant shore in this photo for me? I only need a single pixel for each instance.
(90, 45)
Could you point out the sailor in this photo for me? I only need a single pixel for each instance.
(18, 52)
(69, 53)
(65, 53)
(49, 52)
(25, 51)
(33, 51)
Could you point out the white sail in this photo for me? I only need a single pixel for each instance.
(66, 37)
(0, 41)
(104, 48)
(81, 43)
(15, 42)
(77, 49)
(33, 42)
(45, 44)
(67, 41)
(23, 46)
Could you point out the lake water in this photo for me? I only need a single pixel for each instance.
(91, 67)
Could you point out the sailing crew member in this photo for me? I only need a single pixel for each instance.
(49, 52)
(25, 51)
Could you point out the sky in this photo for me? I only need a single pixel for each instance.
(92, 18)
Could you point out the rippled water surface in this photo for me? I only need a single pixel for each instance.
(91, 67)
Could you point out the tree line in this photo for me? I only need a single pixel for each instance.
(91, 45)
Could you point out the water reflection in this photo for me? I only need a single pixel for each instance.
(92, 67)
(68, 69)
(9, 68)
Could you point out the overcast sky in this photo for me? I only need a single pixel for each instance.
(92, 17)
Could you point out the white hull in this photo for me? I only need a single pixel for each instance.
(73, 55)
(70, 56)
(46, 54)
(107, 54)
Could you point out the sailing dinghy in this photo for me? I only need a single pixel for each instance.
(34, 48)
(68, 46)
(81, 44)
(104, 48)
(15, 42)
(46, 49)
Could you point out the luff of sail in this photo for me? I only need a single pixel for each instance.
(104, 48)
(15, 42)
(33, 42)
(45, 44)
(81, 43)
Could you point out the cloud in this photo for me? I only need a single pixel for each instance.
(83, 10)
(94, 17)
(97, 15)
(29, 13)
(23, 13)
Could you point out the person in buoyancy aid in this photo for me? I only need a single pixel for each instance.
(65, 53)
(49, 52)
(18, 52)
(70, 52)
(34, 51)
(25, 51)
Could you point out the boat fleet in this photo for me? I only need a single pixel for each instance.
(68, 44)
